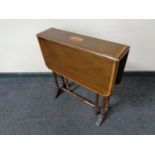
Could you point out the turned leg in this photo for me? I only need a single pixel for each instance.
(55, 80)
(104, 109)
(63, 82)
(104, 105)
(97, 109)
(66, 83)
(58, 89)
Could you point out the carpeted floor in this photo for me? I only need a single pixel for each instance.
(27, 106)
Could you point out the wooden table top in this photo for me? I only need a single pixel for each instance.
(104, 48)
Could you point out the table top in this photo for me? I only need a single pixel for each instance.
(108, 49)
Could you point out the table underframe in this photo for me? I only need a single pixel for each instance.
(100, 111)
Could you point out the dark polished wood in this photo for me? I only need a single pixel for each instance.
(90, 62)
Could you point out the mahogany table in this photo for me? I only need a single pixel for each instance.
(93, 63)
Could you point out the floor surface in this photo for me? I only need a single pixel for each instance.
(28, 106)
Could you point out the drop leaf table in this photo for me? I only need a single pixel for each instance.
(93, 63)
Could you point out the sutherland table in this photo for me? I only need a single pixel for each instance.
(92, 63)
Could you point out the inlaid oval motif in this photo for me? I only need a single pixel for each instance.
(76, 38)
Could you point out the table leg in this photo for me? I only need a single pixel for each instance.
(97, 108)
(104, 110)
(58, 89)
(55, 80)
(104, 105)
(66, 83)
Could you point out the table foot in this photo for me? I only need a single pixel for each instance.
(102, 116)
(97, 110)
(59, 92)
(99, 119)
